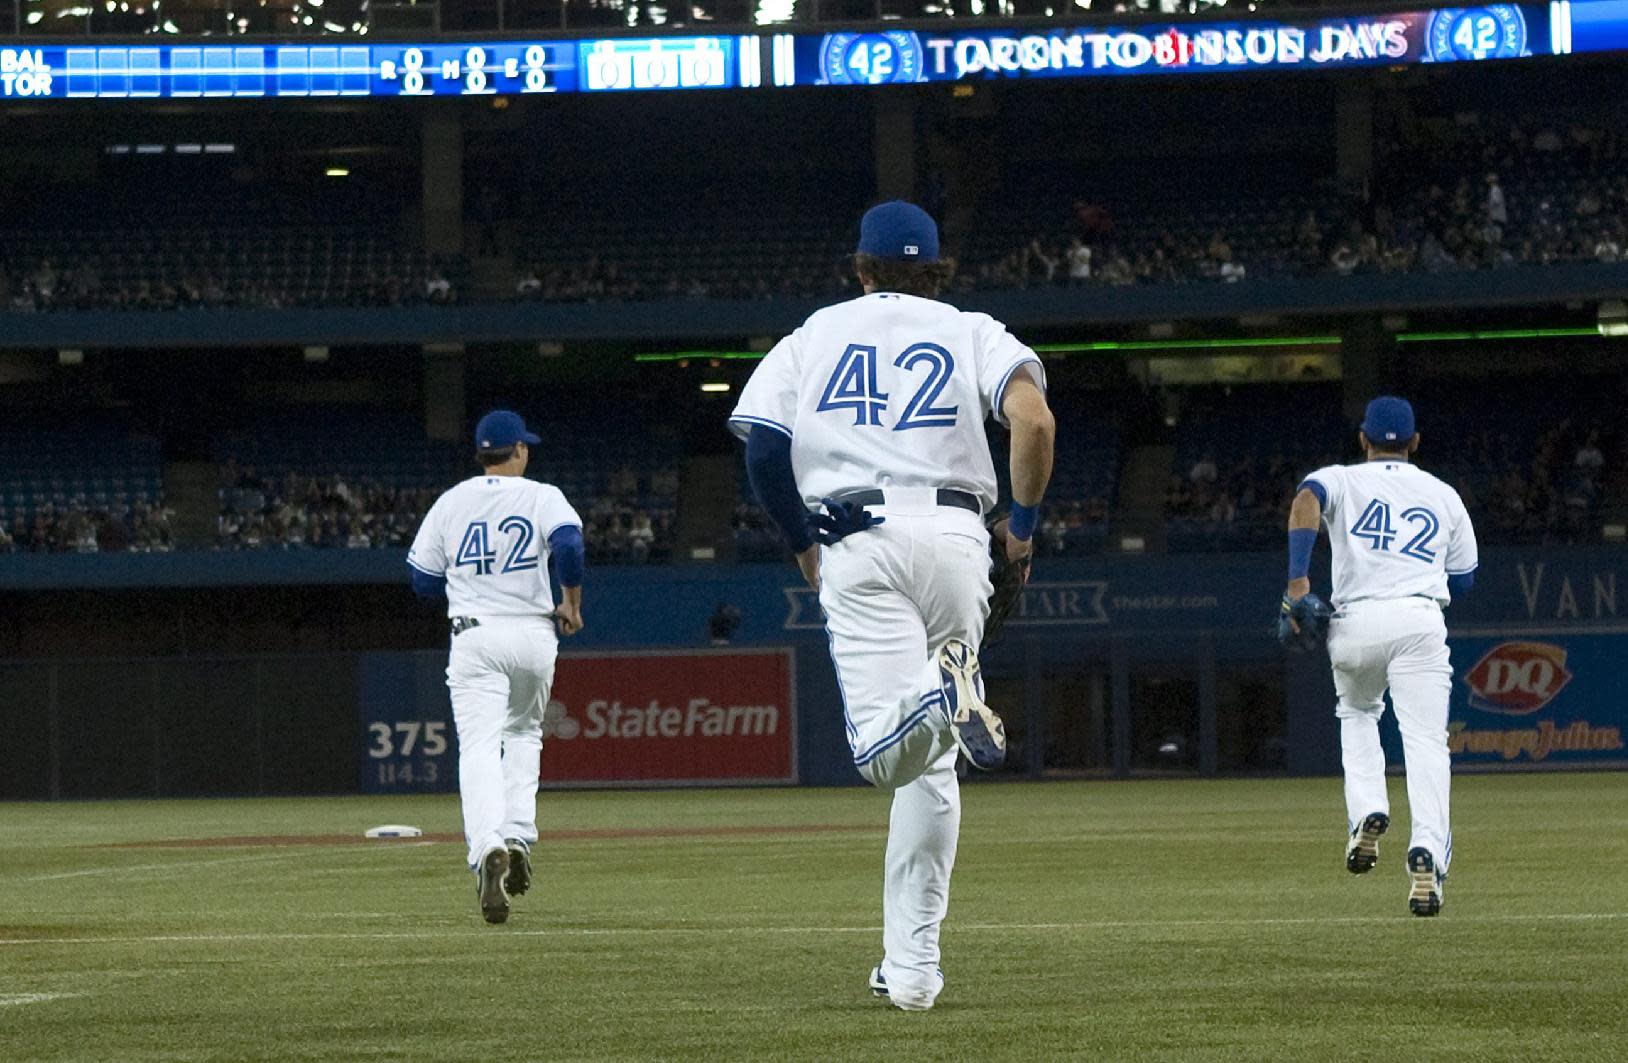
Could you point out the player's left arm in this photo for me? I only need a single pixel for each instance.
(427, 559)
(764, 418)
(1302, 614)
(774, 482)
(1305, 519)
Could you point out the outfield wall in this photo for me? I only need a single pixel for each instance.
(1113, 666)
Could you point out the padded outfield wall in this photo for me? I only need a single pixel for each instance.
(1113, 666)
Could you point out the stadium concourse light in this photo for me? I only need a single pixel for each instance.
(1494, 334)
(700, 356)
(336, 171)
(1221, 344)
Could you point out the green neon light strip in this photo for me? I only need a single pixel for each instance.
(1494, 334)
(700, 356)
(1189, 345)
(1230, 344)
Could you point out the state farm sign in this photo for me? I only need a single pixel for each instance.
(1517, 678)
(672, 718)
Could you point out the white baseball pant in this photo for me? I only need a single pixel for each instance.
(1400, 644)
(499, 674)
(892, 597)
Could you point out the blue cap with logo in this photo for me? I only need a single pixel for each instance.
(1388, 420)
(899, 230)
(502, 428)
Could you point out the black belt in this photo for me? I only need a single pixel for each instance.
(460, 624)
(946, 497)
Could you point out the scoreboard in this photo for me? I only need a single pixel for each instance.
(443, 69)
(846, 58)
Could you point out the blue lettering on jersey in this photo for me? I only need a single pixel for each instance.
(476, 549)
(1375, 525)
(853, 386)
(920, 411)
(1419, 546)
(518, 560)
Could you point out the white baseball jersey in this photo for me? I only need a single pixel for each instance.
(888, 390)
(489, 537)
(1395, 531)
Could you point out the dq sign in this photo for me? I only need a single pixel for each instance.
(1517, 678)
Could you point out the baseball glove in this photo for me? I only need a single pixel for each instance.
(1310, 614)
(1007, 577)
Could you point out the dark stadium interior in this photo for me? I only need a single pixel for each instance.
(265, 266)
(243, 343)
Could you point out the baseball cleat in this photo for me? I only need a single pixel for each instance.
(489, 876)
(1425, 896)
(977, 731)
(1362, 852)
(518, 879)
(878, 983)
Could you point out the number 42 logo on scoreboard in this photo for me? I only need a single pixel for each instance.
(1459, 34)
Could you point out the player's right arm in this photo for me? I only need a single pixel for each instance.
(1463, 554)
(562, 528)
(1034, 441)
(1012, 382)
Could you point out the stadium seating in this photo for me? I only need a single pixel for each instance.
(279, 248)
(99, 487)
(1525, 476)
(363, 479)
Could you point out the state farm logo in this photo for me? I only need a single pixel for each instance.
(557, 723)
(1517, 678)
(698, 717)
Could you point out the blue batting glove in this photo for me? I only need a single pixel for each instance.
(840, 520)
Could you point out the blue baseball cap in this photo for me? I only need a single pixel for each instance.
(1388, 420)
(899, 230)
(502, 428)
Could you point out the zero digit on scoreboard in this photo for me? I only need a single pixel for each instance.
(536, 68)
(412, 74)
(475, 62)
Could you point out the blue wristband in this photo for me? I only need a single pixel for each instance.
(1301, 540)
(1022, 522)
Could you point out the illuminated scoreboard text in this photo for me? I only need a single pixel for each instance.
(890, 56)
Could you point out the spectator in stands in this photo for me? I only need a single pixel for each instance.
(1497, 209)
(641, 536)
(8, 543)
(624, 483)
(1053, 531)
(1204, 470)
(1079, 262)
(1589, 457)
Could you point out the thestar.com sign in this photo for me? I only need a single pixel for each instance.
(695, 717)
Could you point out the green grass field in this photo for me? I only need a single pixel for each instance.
(1169, 920)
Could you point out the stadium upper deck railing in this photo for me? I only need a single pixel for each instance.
(686, 320)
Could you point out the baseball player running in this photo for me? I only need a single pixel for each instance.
(486, 544)
(875, 408)
(1402, 546)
